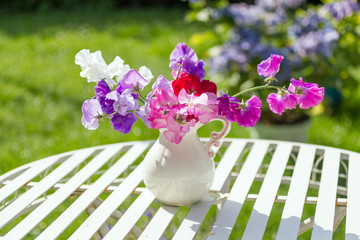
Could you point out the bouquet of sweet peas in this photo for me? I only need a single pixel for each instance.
(187, 100)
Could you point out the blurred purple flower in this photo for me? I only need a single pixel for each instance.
(340, 10)
(317, 42)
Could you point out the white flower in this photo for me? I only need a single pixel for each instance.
(93, 66)
(118, 68)
(146, 73)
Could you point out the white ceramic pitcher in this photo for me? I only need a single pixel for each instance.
(181, 174)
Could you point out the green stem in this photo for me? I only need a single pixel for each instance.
(255, 88)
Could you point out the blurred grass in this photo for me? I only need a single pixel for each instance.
(42, 92)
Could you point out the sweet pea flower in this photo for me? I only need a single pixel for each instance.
(162, 83)
(309, 94)
(245, 114)
(202, 108)
(143, 111)
(92, 113)
(183, 59)
(133, 79)
(269, 67)
(281, 101)
(179, 54)
(192, 84)
(250, 114)
(124, 102)
(118, 69)
(123, 123)
(93, 67)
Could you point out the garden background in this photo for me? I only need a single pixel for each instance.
(42, 92)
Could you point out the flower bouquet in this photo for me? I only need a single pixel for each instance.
(179, 169)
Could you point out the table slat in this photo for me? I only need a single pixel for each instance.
(325, 208)
(290, 219)
(131, 216)
(352, 228)
(260, 214)
(61, 194)
(226, 164)
(110, 204)
(159, 223)
(193, 220)
(197, 213)
(95, 189)
(45, 184)
(231, 209)
(25, 177)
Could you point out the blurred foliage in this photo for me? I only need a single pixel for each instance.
(47, 5)
(320, 43)
(42, 91)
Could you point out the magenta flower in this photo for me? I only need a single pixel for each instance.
(269, 67)
(309, 94)
(245, 114)
(250, 113)
(281, 101)
(92, 113)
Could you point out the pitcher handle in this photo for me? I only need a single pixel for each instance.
(216, 137)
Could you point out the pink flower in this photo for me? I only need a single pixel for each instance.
(203, 108)
(309, 94)
(270, 66)
(250, 114)
(281, 101)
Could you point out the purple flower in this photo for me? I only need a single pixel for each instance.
(281, 101)
(143, 111)
(123, 123)
(133, 79)
(340, 10)
(192, 67)
(162, 83)
(92, 112)
(101, 89)
(186, 58)
(309, 94)
(270, 66)
(179, 54)
(124, 102)
(245, 114)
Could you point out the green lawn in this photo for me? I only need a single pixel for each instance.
(42, 92)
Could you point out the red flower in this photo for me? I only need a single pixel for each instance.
(192, 84)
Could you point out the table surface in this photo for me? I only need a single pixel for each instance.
(98, 193)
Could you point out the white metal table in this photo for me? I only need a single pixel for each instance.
(98, 193)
